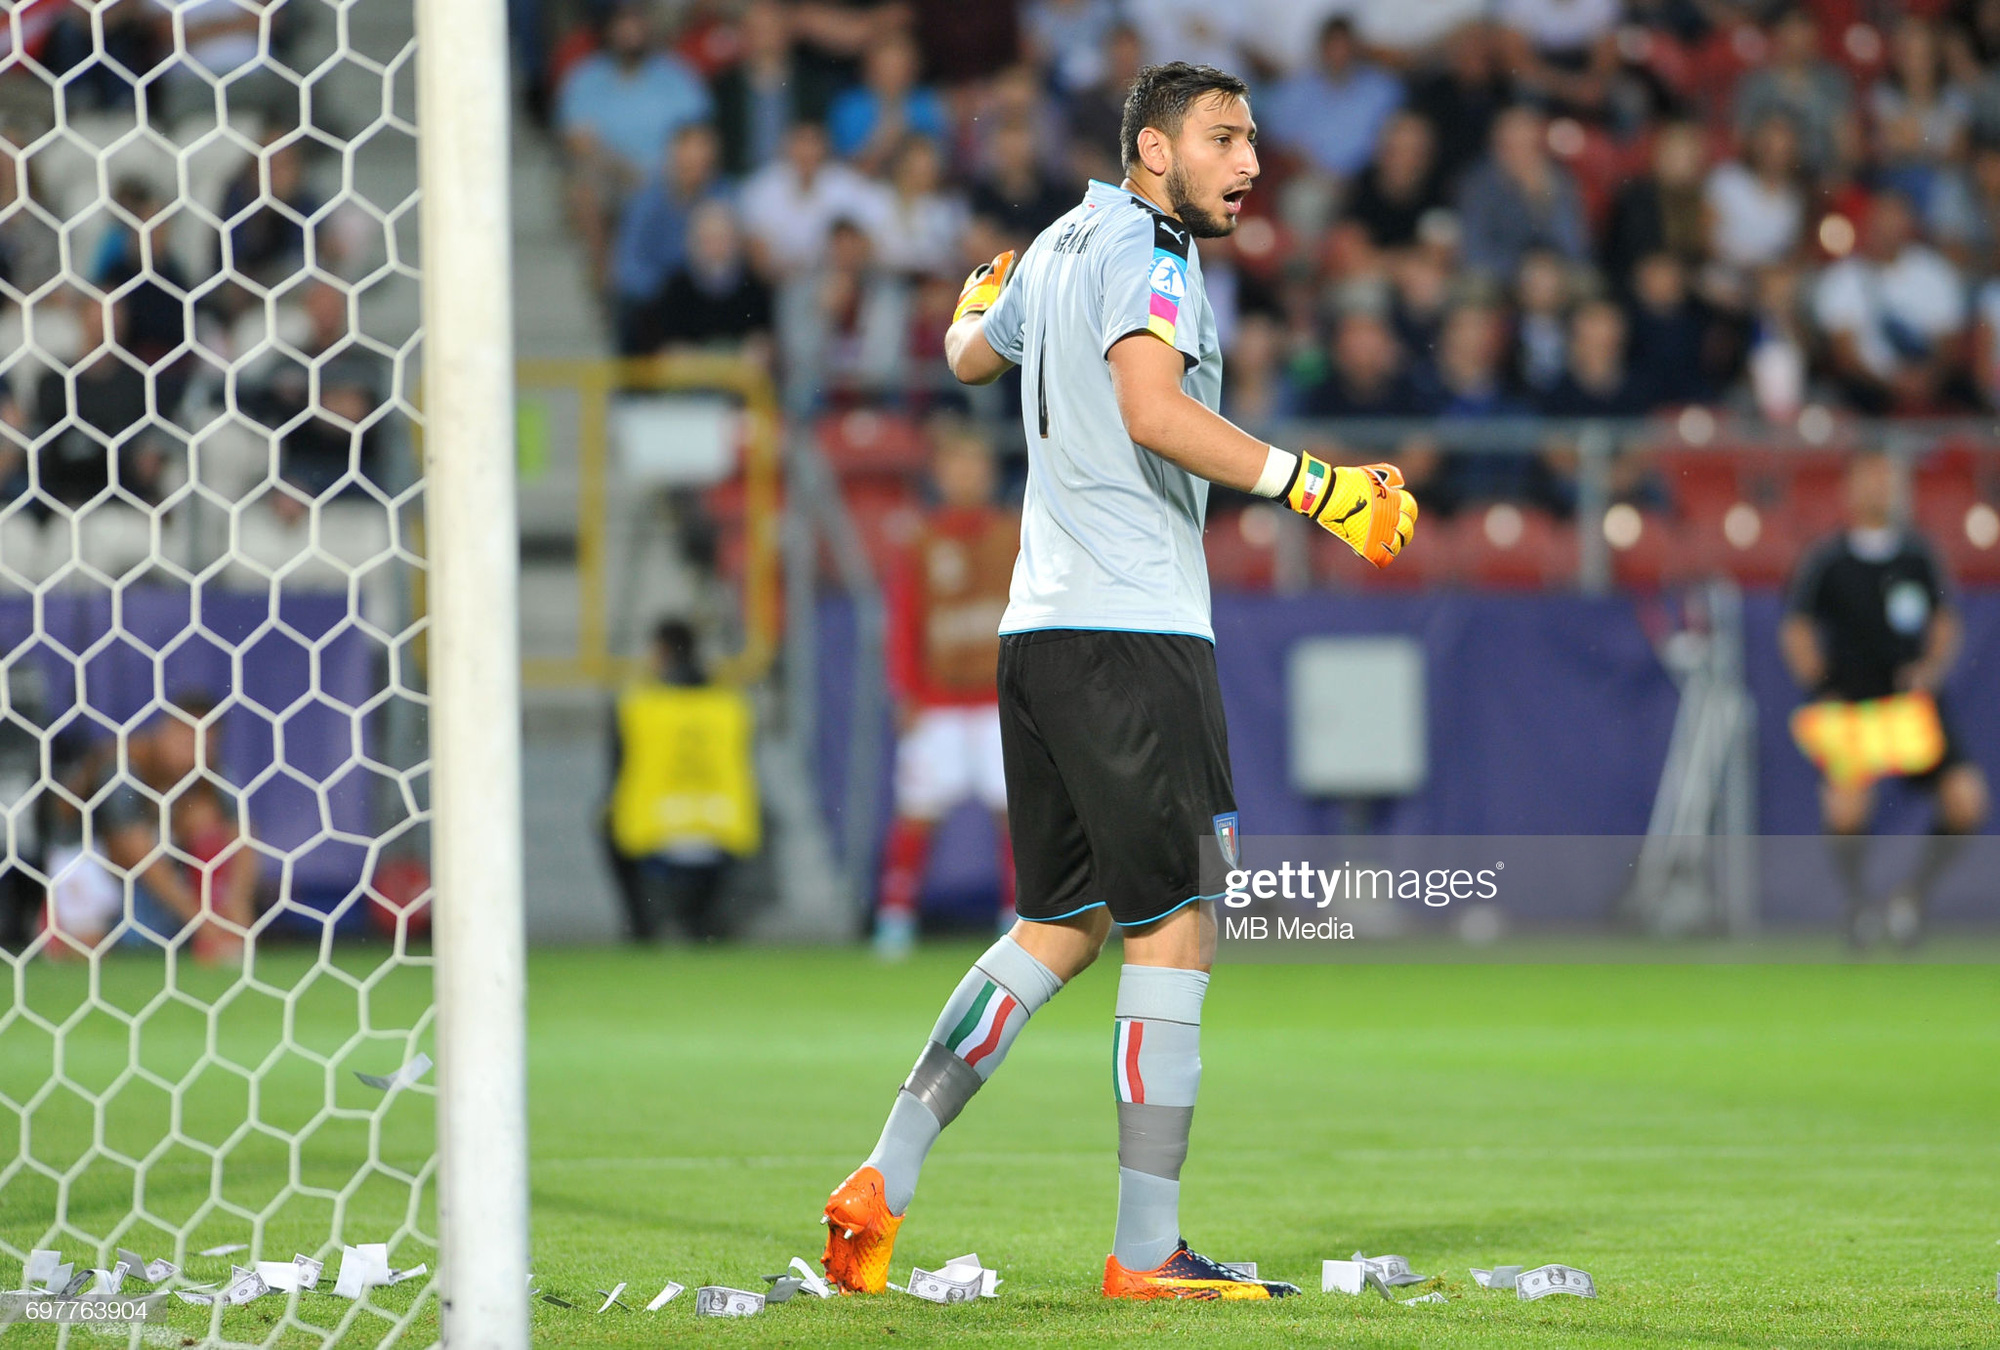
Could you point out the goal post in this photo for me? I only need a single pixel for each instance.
(462, 96)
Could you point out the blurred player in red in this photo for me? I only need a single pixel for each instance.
(945, 602)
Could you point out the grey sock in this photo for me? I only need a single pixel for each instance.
(973, 1034)
(1941, 850)
(1157, 1073)
(1850, 862)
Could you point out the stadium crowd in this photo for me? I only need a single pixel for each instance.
(1564, 207)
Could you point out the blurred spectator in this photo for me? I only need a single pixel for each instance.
(653, 233)
(617, 111)
(168, 790)
(1468, 381)
(867, 123)
(790, 204)
(1463, 98)
(1965, 209)
(1519, 199)
(1779, 342)
(1256, 394)
(1816, 94)
(1066, 38)
(925, 221)
(1662, 211)
(1920, 120)
(1199, 31)
(155, 322)
(1394, 192)
(1670, 328)
(1332, 113)
(1757, 210)
(1870, 615)
(947, 590)
(1894, 316)
(767, 90)
(337, 449)
(222, 41)
(1598, 381)
(1561, 52)
(1408, 29)
(103, 441)
(266, 240)
(1014, 192)
(964, 44)
(832, 35)
(1094, 112)
(841, 327)
(1541, 324)
(30, 251)
(1367, 374)
(684, 805)
(712, 298)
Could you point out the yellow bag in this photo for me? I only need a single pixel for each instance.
(687, 775)
(1875, 738)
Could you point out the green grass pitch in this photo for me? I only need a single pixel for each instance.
(1796, 1154)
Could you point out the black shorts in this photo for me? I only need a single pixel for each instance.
(1117, 761)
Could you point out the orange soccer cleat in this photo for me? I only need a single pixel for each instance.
(1187, 1274)
(860, 1234)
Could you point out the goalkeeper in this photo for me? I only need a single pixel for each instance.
(1112, 736)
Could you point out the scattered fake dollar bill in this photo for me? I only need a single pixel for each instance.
(1434, 1296)
(1554, 1279)
(555, 1302)
(1247, 1269)
(611, 1297)
(1394, 1270)
(282, 1277)
(78, 1282)
(1342, 1277)
(673, 1291)
(938, 1287)
(155, 1271)
(716, 1300)
(226, 1249)
(41, 1269)
(1500, 1277)
(244, 1285)
(403, 1077)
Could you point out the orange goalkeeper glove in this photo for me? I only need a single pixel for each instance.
(1367, 508)
(983, 287)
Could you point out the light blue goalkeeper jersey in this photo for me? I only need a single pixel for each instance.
(1110, 532)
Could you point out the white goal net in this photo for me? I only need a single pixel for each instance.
(214, 760)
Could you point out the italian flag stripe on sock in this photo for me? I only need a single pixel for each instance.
(1131, 1087)
(977, 1034)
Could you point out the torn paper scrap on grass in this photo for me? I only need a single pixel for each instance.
(226, 1249)
(153, 1271)
(611, 1297)
(673, 1291)
(1434, 1296)
(809, 1278)
(1500, 1277)
(964, 1267)
(403, 1077)
(782, 1288)
(41, 1268)
(1342, 1277)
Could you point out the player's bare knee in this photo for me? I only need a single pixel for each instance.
(1963, 801)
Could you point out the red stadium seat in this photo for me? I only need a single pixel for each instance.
(1241, 548)
(867, 441)
(1658, 558)
(1543, 553)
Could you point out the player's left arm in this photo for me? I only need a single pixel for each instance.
(1367, 508)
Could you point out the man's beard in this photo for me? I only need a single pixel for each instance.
(1201, 224)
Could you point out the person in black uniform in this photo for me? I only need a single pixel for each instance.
(1870, 615)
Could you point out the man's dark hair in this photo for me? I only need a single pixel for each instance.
(1160, 98)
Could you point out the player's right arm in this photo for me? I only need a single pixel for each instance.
(973, 355)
